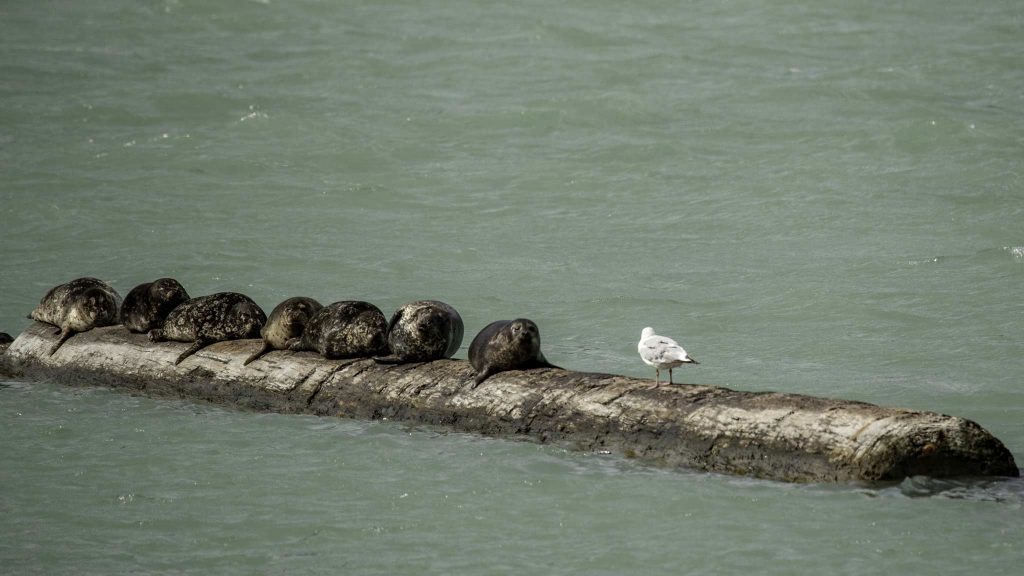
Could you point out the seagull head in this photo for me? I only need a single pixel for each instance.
(646, 333)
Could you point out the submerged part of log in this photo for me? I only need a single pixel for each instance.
(780, 436)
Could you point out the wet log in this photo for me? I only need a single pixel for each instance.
(779, 436)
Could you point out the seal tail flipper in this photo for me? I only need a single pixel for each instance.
(64, 335)
(542, 362)
(195, 347)
(389, 359)
(257, 354)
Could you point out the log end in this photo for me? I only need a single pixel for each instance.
(943, 447)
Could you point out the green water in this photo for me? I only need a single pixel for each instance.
(815, 197)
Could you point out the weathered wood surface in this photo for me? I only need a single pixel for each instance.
(781, 436)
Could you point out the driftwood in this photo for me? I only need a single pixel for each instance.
(780, 436)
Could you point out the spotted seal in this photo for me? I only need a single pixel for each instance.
(146, 307)
(78, 306)
(422, 331)
(208, 319)
(506, 345)
(286, 321)
(346, 329)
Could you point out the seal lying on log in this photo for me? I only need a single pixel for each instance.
(147, 305)
(345, 329)
(423, 331)
(287, 320)
(208, 319)
(786, 437)
(78, 306)
(506, 345)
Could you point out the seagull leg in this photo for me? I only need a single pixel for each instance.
(657, 378)
(669, 375)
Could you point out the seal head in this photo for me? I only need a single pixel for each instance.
(146, 307)
(287, 321)
(506, 345)
(423, 331)
(209, 319)
(345, 329)
(78, 306)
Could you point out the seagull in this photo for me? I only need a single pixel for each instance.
(661, 352)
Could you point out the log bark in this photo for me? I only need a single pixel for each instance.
(785, 437)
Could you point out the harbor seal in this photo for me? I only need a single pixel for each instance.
(209, 319)
(78, 306)
(506, 345)
(422, 331)
(146, 307)
(286, 321)
(345, 329)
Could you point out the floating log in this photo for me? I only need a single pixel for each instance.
(765, 434)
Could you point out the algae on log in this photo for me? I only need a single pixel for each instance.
(779, 436)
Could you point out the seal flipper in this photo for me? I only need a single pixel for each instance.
(482, 375)
(257, 354)
(195, 347)
(64, 335)
(389, 359)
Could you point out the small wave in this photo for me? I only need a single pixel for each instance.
(1006, 490)
(254, 113)
(1016, 251)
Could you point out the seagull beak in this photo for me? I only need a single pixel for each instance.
(692, 360)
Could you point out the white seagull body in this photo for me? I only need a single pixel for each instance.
(662, 353)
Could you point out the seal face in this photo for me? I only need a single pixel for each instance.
(506, 345)
(422, 331)
(209, 319)
(345, 329)
(286, 321)
(78, 306)
(146, 307)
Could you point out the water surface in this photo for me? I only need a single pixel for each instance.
(814, 197)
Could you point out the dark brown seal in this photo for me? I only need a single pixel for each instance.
(78, 306)
(209, 319)
(5, 338)
(146, 307)
(286, 321)
(422, 331)
(506, 345)
(346, 329)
